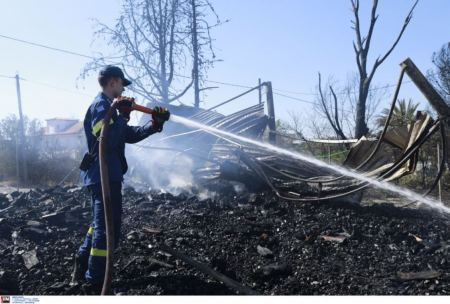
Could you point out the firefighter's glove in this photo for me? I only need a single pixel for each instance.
(160, 116)
(125, 106)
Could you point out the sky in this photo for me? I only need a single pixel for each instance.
(286, 42)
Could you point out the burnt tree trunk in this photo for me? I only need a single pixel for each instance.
(361, 47)
(162, 55)
(360, 123)
(195, 55)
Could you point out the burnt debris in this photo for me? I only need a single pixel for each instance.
(257, 242)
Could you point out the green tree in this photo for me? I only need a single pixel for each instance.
(440, 77)
(9, 133)
(404, 113)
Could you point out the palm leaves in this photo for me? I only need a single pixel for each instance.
(404, 113)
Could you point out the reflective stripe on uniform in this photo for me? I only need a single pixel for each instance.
(99, 252)
(98, 126)
(91, 231)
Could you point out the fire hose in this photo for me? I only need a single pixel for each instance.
(106, 193)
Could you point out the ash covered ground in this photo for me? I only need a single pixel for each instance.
(266, 244)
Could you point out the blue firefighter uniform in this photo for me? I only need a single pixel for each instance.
(94, 246)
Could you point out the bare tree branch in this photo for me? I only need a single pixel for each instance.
(361, 48)
(336, 115)
(148, 36)
(327, 109)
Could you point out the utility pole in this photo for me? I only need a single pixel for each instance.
(271, 114)
(20, 155)
(259, 91)
(195, 54)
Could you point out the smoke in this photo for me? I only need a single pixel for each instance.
(177, 160)
(205, 194)
(159, 168)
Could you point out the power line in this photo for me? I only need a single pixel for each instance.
(304, 100)
(214, 81)
(91, 57)
(55, 87)
(183, 76)
(53, 48)
(344, 92)
(295, 98)
(295, 93)
(85, 94)
(48, 85)
(229, 84)
(5, 76)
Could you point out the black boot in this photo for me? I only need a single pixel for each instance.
(79, 269)
(92, 289)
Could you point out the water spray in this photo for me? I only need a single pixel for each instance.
(411, 195)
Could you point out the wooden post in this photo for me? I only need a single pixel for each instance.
(20, 151)
(244, 290)
(271, 113)
(259, 91)
(436, 101)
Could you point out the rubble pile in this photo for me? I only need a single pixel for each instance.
(258, 240)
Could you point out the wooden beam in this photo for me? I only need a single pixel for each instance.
(436, 101)
(209, 271)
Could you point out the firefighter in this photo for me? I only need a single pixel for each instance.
(90, 260)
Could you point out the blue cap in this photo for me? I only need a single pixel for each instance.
(113, 71)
